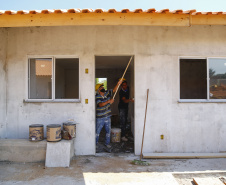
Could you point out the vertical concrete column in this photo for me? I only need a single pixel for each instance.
(3, 73)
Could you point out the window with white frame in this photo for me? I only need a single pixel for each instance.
(193, 79)
(53, 78)
(217, 78)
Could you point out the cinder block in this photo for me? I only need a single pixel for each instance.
(59, 154)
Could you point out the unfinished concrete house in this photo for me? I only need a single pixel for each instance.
(51, 59)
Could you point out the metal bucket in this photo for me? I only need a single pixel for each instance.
(70, 127)
(115, 135)
(36, 132)
(53, 132)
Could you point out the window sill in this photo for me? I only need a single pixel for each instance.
(201, 101)
(52, 101)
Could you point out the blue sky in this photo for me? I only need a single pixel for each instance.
(199, 5)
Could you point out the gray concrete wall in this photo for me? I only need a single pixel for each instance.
(3, 80)
(187, 127)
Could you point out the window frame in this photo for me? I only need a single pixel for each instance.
(53, 99)
(208, 100)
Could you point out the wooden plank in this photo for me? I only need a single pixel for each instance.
(66, 19)
(208, 19)
(104, 18)
(223, 180)
(207, 181)
(183, 155)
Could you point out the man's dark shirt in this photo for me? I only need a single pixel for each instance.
(123, 93)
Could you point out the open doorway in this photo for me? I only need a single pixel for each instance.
(108, 70)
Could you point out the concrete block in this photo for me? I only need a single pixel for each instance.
(22, 150)
(59, 154)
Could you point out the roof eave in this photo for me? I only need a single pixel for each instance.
(138, 17)
(69, 19)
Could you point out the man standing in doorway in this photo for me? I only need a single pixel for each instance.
(123, 108)
(103, 111)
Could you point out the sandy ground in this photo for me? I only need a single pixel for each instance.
(111, 169)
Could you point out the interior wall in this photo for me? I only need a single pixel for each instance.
(193, 74)
(43, 88)
(60, 82)
(132, 95)
(72, 83)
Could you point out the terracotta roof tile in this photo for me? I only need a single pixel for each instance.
(22, 12)
(57, 11)
(99, 11)
(61, 11)
(47, 11)
(177, 11)
(112, 11)
(74, 11)
(164, 11)
(87, 10)
(138, 11)
(125, 11)
(152, 10)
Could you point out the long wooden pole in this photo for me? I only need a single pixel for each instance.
(144, 125)
(123, 76)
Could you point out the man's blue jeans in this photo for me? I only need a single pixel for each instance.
(106, 123)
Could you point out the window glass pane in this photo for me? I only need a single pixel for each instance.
(67, 78)
(193, 75)
(103, 81)
(40, 86)
(217, 74)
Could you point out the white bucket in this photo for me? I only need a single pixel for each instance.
(115, 135)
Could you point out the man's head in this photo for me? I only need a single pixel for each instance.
(124, 85)
(99, 88)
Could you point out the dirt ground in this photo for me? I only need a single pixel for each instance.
(116, 168)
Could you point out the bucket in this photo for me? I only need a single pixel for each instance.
(70, 127)
(53, 132)
(36, 132)
(115, 135)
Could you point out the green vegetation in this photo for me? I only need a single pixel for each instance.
(102, 80)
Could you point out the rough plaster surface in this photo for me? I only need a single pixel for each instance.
(187, 127)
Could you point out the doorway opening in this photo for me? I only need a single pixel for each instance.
(109, 69)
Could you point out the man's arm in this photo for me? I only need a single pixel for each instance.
(127, 100)
(105, 103)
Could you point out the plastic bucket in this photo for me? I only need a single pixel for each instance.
(53, 132)
(115, 135)
(36, 132)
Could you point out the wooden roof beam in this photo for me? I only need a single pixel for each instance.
(93, 18)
